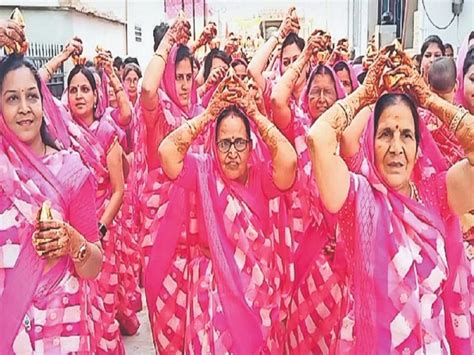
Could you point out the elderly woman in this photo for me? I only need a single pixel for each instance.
(226, 296)
(400, 242)
(46, 300)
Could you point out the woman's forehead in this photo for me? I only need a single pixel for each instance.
(396, 117)
(232, 126)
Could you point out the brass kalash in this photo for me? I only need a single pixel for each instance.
(44, 214)
(17, 47)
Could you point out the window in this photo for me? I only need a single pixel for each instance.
(138, 33)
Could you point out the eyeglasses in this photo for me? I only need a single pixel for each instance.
(239, 144)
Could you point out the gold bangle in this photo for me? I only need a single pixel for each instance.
(159, 55)
(118, 90)
(50, 73)
(267, 130)
(347, 112)
(296, 69)
(191, 127)
(458, 117)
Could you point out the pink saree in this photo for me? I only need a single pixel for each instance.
(168, 115)
(53, 311)
(104, 133)
(314, 310)
(408, 275)
(217, 285)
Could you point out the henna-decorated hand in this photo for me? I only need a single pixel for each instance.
(232, 45)
(74, 48)
(104, 61)
(11, 34)
(288, 24)
(207, 35)
(315, 45)
(215, 76)
(408, 80)
(54, 239)
(180, 31)
(372, 87)
(229, 92)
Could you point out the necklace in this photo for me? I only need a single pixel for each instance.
(414, 194)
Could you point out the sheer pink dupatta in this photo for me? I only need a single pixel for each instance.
(371, 258)
(27, 182)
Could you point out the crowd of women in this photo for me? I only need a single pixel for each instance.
(299, 203)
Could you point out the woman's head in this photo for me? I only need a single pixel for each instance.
(82, 93)
(291, 48)
(184, 76)
(396, 139)
(321, 91)
(233, 143)
(22, 100)
(130, 76)
(240, 67)
(431, 49)
(215, 59)
(468, 80)
(344, 75)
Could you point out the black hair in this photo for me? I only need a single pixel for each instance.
(292, 38)
(442, 74)
(14, 62)
(430, 40)
(184, 53)
(237, 62)
(391, 99)
(340, 66)
(131, 67)
(88, 73)
(448, 45)
(358, 60)
(158, 34)
(361, 77)
(237, 112)
(320, 70)
(468, 61)
(471, 36)
(215, 53)
(129, 60)
(118, 62)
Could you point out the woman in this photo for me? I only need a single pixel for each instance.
(347, 76)
(131, 77)
(215, 67)
(161, 111)
(317, 284)
(402, 205)
(431, 49)
(226, 296)
(465, 93)
(83, 103)
(48, 304)
(291, 48)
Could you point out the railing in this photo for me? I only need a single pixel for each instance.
(40, 54)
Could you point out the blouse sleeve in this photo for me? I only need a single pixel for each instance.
(270, 190)
(82, 211)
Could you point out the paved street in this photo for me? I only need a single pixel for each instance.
(142, 342)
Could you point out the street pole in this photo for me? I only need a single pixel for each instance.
(194, 20)
(182, 5)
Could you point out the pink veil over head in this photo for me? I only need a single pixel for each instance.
(340, 92)
(28, 183)
(352, 73)
(371, 259)
(168, 84)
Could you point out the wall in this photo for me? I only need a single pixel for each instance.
(440, 12)
(145, 14)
